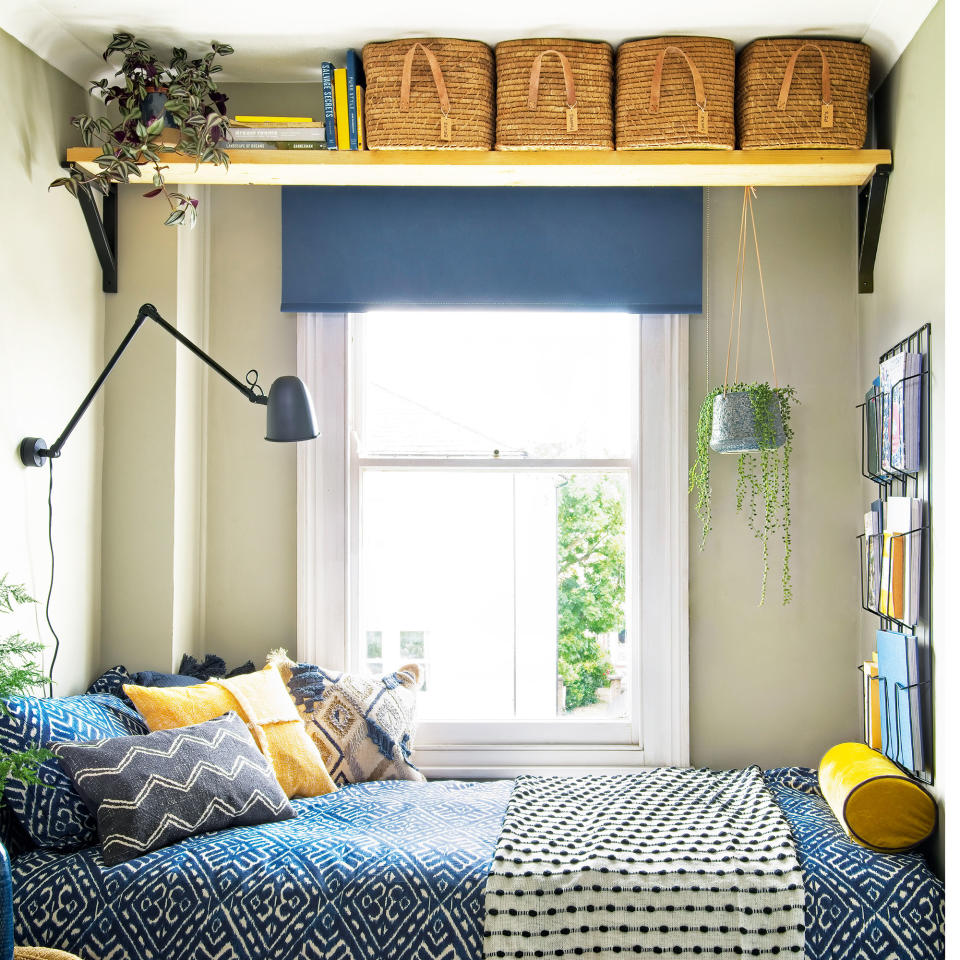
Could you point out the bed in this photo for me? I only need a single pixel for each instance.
(396, 871)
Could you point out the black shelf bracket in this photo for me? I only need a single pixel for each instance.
(873, 193)
(102, 224)
(870, 203)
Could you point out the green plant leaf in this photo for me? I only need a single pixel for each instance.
(763, 477)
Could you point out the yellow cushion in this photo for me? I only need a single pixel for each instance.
(878, 805)
(261, 699)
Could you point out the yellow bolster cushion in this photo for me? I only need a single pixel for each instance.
(262, 701)
(878, 805)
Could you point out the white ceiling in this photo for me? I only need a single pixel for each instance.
(285, 40)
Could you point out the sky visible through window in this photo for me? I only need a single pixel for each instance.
(532, 384)
(507, 587)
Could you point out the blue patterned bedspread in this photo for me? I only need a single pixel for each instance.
(861, 905)
(396, 871)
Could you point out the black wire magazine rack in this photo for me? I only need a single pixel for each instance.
(875, 593)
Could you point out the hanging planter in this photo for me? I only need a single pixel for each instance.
(746, 420)
(751, 420)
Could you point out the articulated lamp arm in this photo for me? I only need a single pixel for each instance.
(290, 414)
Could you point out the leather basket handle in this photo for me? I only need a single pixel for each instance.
(698, 89)
(570, 87)
(437, 81)
(826, 96)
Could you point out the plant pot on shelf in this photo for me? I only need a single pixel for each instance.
(153, 105)
(735, 427)
(170, 106)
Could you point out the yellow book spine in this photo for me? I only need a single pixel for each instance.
(871, 705)
(340, 105)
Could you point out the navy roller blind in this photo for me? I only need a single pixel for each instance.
(608, 248)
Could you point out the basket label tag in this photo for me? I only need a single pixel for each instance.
(572, 125)
(826, 114)
(445, 127)
(702, 122)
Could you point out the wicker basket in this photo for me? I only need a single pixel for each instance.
(428, 94)
(554, 95)
(675, 92)
(802, 93)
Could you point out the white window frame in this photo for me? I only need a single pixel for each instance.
(327, 567)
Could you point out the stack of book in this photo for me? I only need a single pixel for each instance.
(343, 103)
(872, 735)
(899, 395)
(900, 698)
(901, 521)
(873, 543)
(275, 133)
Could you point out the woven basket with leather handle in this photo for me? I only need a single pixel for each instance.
(675, 92)
(554, 95)
(429, 94)
(802, 93)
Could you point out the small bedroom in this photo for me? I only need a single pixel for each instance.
(475, 480)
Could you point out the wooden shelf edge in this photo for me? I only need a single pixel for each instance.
(547, 168)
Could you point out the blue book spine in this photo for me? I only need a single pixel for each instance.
(896, 721)
(329, 113)
(354, 79)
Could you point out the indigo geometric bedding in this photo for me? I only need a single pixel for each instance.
(861, 905)
(391, 870)
(396, 870)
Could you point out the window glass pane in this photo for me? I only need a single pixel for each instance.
(515, 583)
(411, 643)
(538, 385)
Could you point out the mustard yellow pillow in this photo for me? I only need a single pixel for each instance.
(262, 701)
(878, 805)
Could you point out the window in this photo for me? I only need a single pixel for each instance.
(475, 506)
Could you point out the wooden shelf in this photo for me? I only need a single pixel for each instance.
(547, 168)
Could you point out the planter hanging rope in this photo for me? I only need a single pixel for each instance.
(751, 420)
(748, 194)
(741, 422)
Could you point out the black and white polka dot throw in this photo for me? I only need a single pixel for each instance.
(668, 861)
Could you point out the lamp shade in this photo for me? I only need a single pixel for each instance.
(290, 414)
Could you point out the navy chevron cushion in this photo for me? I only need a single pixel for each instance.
(149, 792)
(53, 814)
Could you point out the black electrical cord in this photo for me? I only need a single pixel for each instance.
(56, 639)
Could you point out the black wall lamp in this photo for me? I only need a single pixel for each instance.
(290, 414)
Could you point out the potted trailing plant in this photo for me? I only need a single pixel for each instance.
(152, 97)
(751, 420)
(19, 676)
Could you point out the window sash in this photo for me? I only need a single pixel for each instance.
(514, 731)
(328, 470)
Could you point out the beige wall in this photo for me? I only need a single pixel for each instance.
(251, 570)
(909, 283)
(154, 456)
(51, 349)
(776, 684)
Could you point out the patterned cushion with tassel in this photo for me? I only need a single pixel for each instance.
(363, 726)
